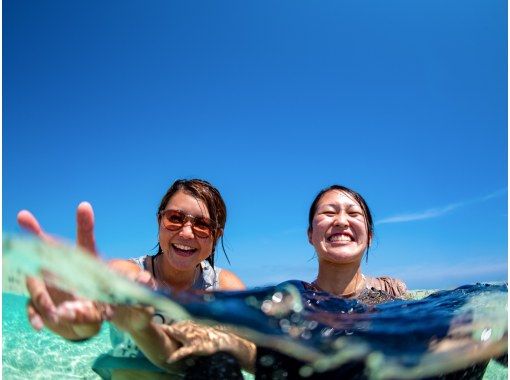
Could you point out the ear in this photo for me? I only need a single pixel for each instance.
(309, 233)
(369, 239)
(219, 233)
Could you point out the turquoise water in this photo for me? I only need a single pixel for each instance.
(393, 340)
(42, 355)
(29, 354)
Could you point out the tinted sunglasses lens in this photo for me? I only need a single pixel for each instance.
(201, 228)
(173, 220)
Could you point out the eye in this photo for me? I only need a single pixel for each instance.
(356, 214)
(202, 223)
(174, 217)
(327, 213)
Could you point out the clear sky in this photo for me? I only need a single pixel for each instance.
(403, 101)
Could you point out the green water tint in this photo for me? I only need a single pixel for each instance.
(325, 332)
(28, 354)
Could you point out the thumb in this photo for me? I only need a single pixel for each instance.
(179, 354)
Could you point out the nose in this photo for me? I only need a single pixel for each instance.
(187, 231)
(341, 219)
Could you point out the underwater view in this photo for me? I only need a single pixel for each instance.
(434, 333)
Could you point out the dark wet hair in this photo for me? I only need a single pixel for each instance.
(207, 193)
(357, 197)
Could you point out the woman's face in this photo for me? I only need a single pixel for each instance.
(182, 248)
(339, 233)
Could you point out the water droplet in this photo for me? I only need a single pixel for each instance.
(297, 308)
(266, 307)
(277, 297)
(266, 360)
(280, 374)
(305, 371)
(285, 325)
(486, 334)
(312, 324)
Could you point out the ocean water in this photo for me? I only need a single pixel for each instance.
(398, 339)
(42, 355)
(28, 354)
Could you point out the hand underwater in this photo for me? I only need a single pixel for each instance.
(205, 340)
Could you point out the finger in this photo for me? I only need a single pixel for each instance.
(181, 353)
(41, 299)
(175, 333)
(28, 222)
(85, 227)
(34, 318)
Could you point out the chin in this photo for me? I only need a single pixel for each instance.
(182, 263)
(342, 258)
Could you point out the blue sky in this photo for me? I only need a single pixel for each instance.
(406, 102)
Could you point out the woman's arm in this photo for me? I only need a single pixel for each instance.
(148, 336)
(157, 344)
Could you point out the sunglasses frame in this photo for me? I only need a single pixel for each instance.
(192, 219)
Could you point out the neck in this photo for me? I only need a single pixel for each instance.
(175, 279)
(341, 280)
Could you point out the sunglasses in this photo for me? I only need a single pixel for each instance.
(174, 220)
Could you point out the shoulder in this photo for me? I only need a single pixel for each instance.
(124, 266)
(229, 281)
(391, 285)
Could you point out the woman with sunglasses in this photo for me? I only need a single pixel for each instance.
(191, 219)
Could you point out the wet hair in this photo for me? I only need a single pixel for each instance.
(357, 197)
(204, 191)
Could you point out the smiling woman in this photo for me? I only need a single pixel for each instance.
(191, 219)
(341, 229)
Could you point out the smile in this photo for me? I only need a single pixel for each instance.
(340, 238)
(184, 250)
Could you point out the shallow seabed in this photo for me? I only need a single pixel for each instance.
(42, 355)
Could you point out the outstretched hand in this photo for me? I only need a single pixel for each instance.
(63, 313)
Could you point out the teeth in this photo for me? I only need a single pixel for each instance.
(184, 247)
(340, 237)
